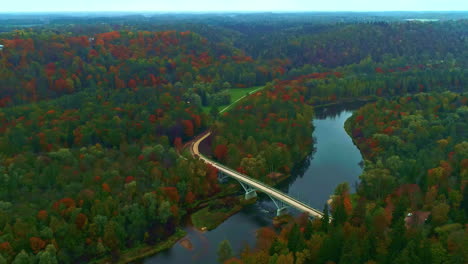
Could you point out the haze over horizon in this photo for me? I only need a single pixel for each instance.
(232, 6)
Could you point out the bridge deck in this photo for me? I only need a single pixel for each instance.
(275, 193)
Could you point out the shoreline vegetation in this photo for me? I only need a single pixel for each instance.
(211, 213)
(210, 216)
(217, 212)
(94, 114)
(362, 99)
(207, 214)
(206, 218)
(144, 251)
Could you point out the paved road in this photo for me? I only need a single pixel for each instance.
(255, 183)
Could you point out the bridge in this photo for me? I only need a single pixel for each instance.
(251, 186)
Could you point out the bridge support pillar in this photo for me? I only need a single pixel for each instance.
(250, 194)
(222, 178)
(281, 207)
(249, 191)
(281, 211)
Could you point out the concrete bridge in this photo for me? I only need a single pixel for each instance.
(251, 186)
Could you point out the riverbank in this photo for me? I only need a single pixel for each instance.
(345, 101)
(334, 159)
(213, 214)
(144, 251)
(217, 212)
(213, 219)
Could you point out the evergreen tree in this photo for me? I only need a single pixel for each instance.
(339, 214)
(398, 240)
(224, 251)
(308, 230)
(332, 245)
(295, 239)
(48, 256)
(275, 247)
(214, 111)
(22, 258)
(325, 218)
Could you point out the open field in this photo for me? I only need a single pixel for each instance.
(236, 95)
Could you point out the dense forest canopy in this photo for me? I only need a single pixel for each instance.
(411, 204)
(95, 111)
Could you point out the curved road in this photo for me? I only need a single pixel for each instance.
(272, 192)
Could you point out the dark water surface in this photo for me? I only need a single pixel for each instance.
(335, 160)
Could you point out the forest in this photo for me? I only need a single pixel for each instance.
(96, 114)
(411, 203)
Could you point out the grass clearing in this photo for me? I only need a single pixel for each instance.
(211, 218)
(236, 95)
(216, 212)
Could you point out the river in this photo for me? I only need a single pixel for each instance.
(334, 160)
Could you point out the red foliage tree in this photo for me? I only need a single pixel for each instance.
(36, 244)
(188, 128)
(65, 202)
(132, 84)
(106, 188)
(265, 237)
(50, 70)
(81, 220)
(221, 152)
(178, 143)
(347, 204)
(190, 197)
(6, 248)
(42, 215)
(153, 119)
(129, 179)
(93, 53)
(359, 118)
(171, 193)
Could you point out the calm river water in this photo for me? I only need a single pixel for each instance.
(334, 160)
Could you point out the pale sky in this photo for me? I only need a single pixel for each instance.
(232, 5)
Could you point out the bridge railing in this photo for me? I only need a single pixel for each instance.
(262, 184)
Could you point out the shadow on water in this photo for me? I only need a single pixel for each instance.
(332, 111)
(335, 159)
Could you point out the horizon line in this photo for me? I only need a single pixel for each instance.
(227, 11)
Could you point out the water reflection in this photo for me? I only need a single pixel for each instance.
(333, 111)
(334, 160)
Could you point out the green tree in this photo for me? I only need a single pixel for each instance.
(438, 253)
(111, 239)
(308, 230)
(48, 256)
(214, 111)
(325, 219)
(295, 239)
(440, 213)
(2, 260)
(285, 259)
(224, 251)
(22, 258)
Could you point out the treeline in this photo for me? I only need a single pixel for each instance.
(412, 202)
(339, 44)
(42, 64)
(371, 79)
